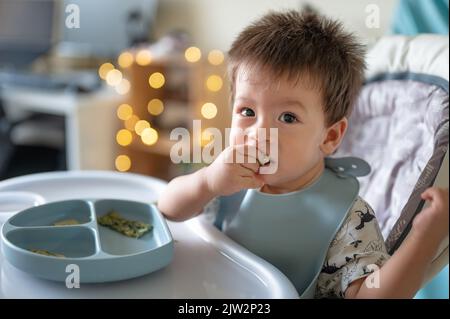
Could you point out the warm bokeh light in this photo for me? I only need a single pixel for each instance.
(124, 137)
(149, 136)
(123, 163)
(156, 80)
(144, 57)
(192, 54)
(214, 83)
(209, 110)
(123, 87)
(140, 126)
(125, 59)
(124, 112)
(155, 107)
(206, 138)
(114, 77)
(216, 57)
(104, 69)
(131, 122)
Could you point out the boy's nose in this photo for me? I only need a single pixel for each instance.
(258, 134)
(259, 137)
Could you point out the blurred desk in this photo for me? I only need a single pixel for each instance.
(90, 121)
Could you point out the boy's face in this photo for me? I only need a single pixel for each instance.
(295, 109)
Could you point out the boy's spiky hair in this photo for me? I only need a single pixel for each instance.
(303, 44)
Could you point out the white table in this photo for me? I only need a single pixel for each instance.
(90, 119)
(206, 263)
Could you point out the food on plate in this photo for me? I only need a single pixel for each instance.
(130, 228)
(66, 222)
(46, 253)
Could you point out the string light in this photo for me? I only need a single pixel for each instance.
(149, 136)
(155, 107)
(124, 137)
(140, 126)
(156, 80)
(214, 83)
(124, 112)
(206, 138)
(192, 54)
(104, 69)
(131, 122)
(144, 57)
(123, 163)
(216, 57)
(123, 87)
(125, 59)
(209, 110)
(114, 77)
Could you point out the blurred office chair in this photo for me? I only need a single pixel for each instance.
(20, 45)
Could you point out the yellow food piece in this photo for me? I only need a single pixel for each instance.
(46, 253)
(66, 222)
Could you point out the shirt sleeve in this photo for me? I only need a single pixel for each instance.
(357, 250)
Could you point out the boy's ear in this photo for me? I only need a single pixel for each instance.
(333, 136)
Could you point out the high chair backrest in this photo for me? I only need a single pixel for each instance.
(400, 127)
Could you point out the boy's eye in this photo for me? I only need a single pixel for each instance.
(247, 112)
(288, 118)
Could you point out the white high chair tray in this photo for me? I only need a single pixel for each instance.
(206, 263)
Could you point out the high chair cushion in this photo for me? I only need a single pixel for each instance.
(399, 125)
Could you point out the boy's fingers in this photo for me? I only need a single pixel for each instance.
(238, 154)
(254, 154)
(245, 160)
(251, 182)
(242, 151)
(249, 170)
(254, 167)
(438, 197)
(429, 193)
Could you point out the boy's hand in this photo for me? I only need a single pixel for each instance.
(226, 176)
(431, 224)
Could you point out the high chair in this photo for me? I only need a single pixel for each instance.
(400, 127)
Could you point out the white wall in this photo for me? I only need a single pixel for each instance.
(215, 23)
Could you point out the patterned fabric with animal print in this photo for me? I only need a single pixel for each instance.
(356, 249)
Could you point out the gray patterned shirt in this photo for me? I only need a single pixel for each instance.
(357, 246)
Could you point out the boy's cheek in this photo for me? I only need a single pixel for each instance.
(234, 138)
(293, 160)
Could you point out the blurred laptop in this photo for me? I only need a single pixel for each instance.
(30, 29)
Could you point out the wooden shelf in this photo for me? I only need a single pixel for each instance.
(190, 79)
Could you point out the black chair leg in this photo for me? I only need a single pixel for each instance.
(6, 148)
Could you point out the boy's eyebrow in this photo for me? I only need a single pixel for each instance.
(244, 99)
(294, 102)
(284, 103)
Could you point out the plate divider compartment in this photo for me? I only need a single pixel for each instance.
(146, 255)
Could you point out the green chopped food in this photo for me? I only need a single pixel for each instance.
(46, 253)
(66, 222)
(130, 228)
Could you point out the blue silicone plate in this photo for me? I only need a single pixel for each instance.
(101, 254)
